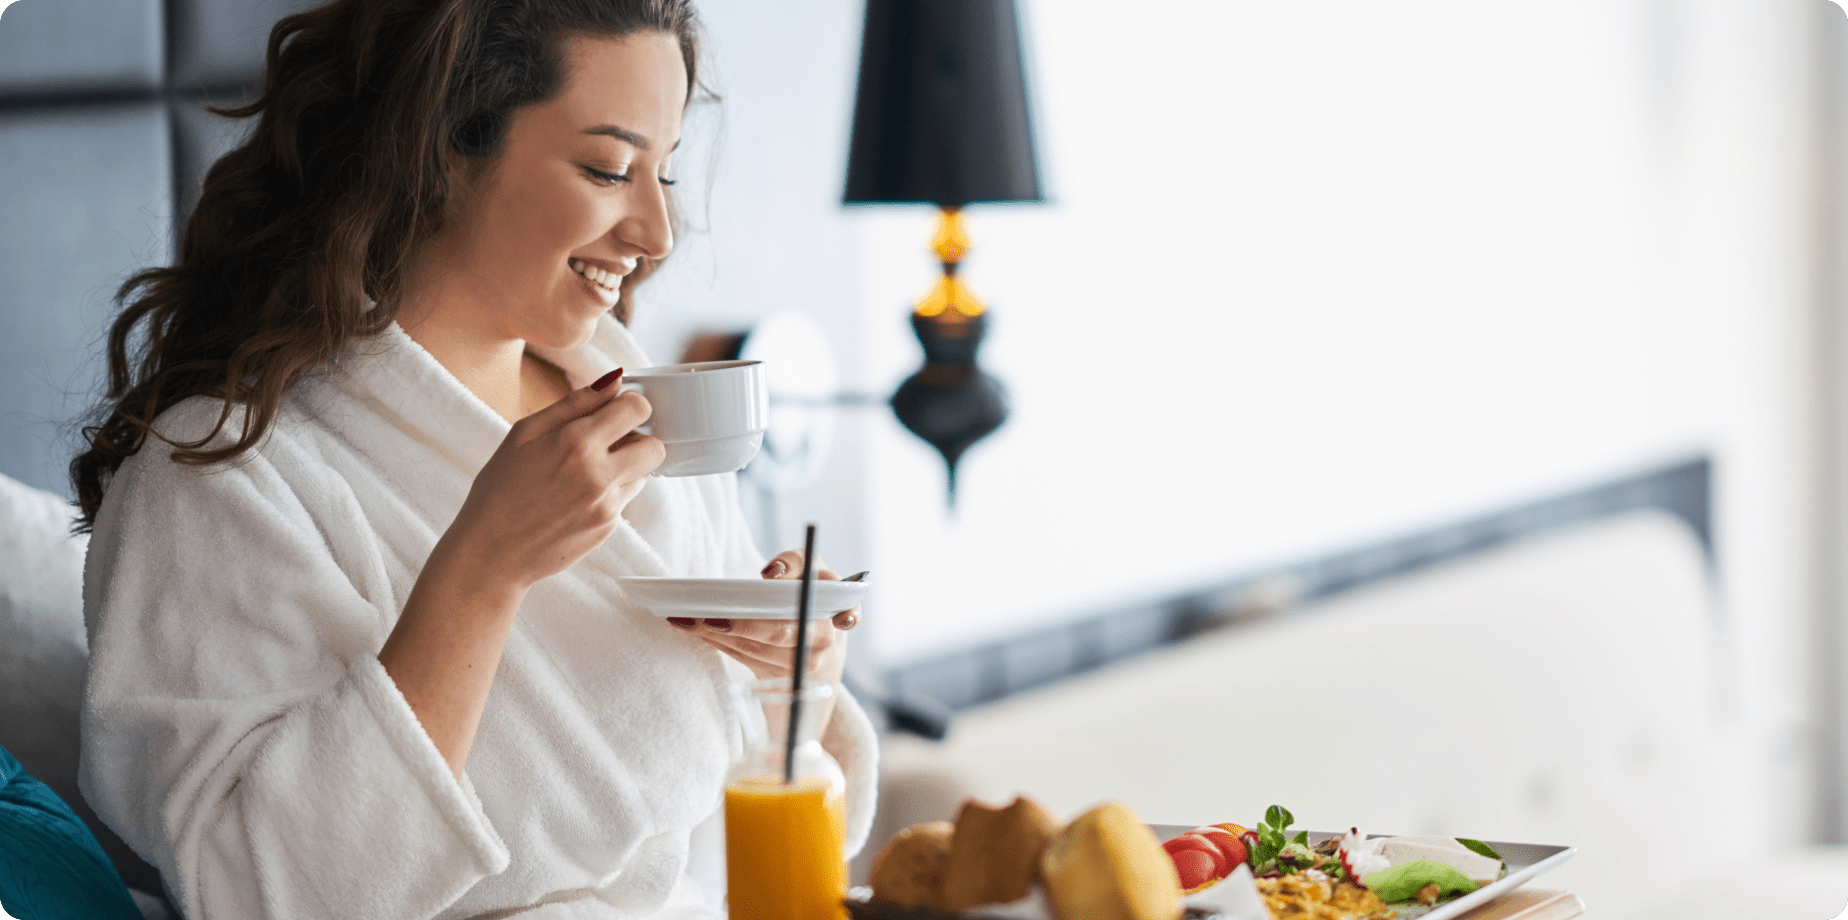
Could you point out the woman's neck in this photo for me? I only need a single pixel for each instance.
(488, 363)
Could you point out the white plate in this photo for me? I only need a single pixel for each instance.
(739, 598)
(1523, 860)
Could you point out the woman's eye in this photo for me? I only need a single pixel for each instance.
(606, 178)
(666, 181)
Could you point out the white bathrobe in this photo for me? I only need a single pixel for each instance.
(240, 733)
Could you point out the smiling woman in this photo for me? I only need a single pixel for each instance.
(543, 235)
(381, 123)
(358, 640)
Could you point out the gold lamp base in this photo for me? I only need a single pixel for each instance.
(950, 402)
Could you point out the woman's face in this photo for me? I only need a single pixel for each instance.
(577, 195)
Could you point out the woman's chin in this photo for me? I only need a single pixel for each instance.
(572, 326)
(576, 335)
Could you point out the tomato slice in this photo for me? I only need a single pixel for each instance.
(1195, 867)
(1226, 842)
(1205, 855)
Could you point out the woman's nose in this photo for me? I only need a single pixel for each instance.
(648, 226)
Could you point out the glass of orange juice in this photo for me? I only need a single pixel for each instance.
(785, 839)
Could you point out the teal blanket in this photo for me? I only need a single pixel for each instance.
(50, 866)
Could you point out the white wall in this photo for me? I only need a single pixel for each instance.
(1311, 273)
(1314, 273)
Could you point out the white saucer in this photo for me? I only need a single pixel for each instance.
(739, 598)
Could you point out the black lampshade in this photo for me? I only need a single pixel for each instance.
(941, 112)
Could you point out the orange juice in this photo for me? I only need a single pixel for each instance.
(784, 849)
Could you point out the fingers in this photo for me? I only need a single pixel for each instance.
(769, 633)
(768, 660)
(600, 420)
(626, 491)
(788, 564)
(767, 646)
(575, 404)
(778, 635)
(609, 423)
(606, 437)
(635, 456)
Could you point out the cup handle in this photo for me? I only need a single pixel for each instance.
(634, 386)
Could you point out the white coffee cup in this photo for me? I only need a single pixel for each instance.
(710, 415)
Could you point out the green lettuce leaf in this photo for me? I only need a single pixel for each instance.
(1401, 882)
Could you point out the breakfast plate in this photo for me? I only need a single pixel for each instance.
(1524, 861)
(739, 598)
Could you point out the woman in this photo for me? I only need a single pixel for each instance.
(360, 501)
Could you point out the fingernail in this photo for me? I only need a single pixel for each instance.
(775, 568)
(847, 622)
(607, 379)
(682, 622)
(719, 625)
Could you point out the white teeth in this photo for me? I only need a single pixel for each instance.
(605, 280)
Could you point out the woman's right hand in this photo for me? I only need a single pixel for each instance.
(557, 485)
(553, 490)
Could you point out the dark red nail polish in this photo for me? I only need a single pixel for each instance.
(775, 568)
(607, 379)
(682, 622)
(719, 625)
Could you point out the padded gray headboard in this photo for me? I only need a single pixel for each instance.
(102, 146)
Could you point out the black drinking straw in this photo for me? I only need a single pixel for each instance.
(795, 683)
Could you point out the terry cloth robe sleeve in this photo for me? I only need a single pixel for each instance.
(239, 730)
(854, 745)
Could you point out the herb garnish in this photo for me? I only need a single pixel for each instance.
(1278, 853)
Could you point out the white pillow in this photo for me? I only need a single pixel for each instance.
(42, 645)
(44, 652)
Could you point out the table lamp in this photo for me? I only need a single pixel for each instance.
(940, 118)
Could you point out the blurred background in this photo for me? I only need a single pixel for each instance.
(1488, 352)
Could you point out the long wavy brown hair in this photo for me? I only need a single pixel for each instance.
(365, 107)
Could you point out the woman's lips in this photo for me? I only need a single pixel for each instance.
(606, 284)
(603, 277)
(604, 295)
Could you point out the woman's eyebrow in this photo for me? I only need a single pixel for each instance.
(622, 134)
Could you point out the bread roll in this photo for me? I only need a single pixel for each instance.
(994, 857)
(1107, 865)
(909, 869)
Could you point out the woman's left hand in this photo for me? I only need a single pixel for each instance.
(767, 647)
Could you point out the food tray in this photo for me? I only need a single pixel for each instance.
(859, 908)
(1523, 862)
